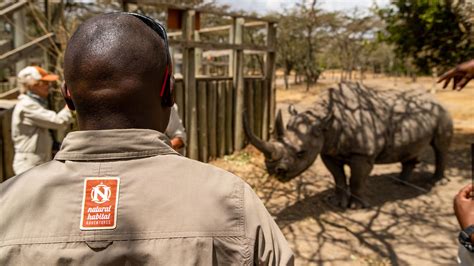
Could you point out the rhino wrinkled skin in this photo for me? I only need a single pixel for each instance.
(359, 127)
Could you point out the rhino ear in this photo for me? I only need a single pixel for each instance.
(279, 128)
(292, 109)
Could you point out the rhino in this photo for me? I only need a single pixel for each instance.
(357, 126)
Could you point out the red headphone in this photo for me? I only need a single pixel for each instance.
(166, 92)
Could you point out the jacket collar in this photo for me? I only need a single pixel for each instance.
(36, 98)
(114, 144)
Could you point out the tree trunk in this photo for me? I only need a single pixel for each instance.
(308, 81)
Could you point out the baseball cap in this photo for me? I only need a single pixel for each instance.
(36, 73)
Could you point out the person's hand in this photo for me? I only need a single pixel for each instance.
(464, 206)
(177, 143)
(460, 75)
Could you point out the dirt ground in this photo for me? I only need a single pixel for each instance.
(406, 225)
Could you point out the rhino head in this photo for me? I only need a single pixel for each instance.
(292, 150)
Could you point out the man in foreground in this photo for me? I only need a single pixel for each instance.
(116, 193)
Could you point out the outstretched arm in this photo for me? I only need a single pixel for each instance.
(41, 117)
(460, 75)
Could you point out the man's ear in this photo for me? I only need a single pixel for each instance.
(67, 97)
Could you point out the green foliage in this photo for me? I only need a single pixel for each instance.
(431, 33)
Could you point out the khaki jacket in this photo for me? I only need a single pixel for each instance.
(32, 140)
(169, 210)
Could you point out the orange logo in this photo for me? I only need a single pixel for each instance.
(99, 207)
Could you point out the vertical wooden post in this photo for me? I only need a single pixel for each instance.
(202, 121)
(199, 70)
(189, 78)
(47, 15)
(228, 118)
(8, 149)
(270, 59)
(2, 149)
(125, 5)
(238, 82)
(265, 109)
(249, 107)
(258, 98)
(231, 52)
(19, 38)
(179, 95)
(212, 118)
(221, 105)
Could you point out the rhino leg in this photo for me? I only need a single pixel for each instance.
(440, 143)
(336, 167)
(440, 157)
(361, 166)
(407, 168)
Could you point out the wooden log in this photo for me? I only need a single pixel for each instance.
(218, 46)
(229, 143)
(179, 95)
(2, 157)
(249, 108)
(258, 110)
(266, 110)
(202, 121)
(8, 149)
(221, 107)
(212, 118)
(270, 60)
(238, 80)
(189, 78)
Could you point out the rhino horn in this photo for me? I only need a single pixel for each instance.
(265, 147)
(279, 128)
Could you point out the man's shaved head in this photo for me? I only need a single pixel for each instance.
(114, 67)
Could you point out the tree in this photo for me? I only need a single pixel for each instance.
(290, 49)
(430, 33)
(302, 35)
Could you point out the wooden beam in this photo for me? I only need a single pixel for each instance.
(7, 143)
(13, 8)
(189, 78)
(25, 49)
(270, 60)
(255, 24)
(238, 82)
(229, 110)
(212, 118)
(202, 120)
(219, 46)
(214, 29)
(221, 105)
(221, 28)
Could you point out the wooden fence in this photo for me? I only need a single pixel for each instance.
(216, 113)
(6, 145)
(211, 107)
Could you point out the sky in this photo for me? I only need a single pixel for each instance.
(264, 6)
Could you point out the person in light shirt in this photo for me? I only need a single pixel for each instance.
(32, 120)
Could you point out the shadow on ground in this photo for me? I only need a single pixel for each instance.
(406, 223)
